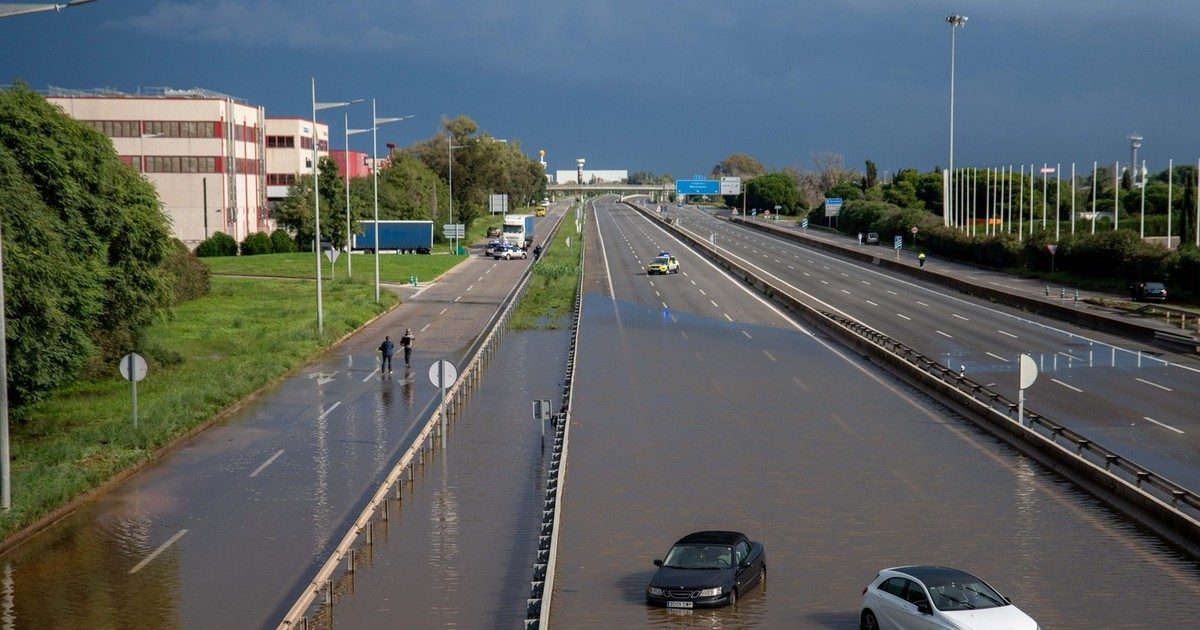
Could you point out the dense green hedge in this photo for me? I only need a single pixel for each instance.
(257, 243)
(1107, 254)
(219, 244)
(191, 278)
(282, 242)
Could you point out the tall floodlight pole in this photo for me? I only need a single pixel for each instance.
(1045, 193)
(956, 22)
(1057, 200)
(375, 122)
(1021, 206)
(1117, 194)
(1170, 196)
(1072, 197)
(316, 107)
(450, 147)
(1142, 222)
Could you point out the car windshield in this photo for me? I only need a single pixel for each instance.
(1154, 286)
(964, 594)
(513, 229)
(661, 260)
(699, 557)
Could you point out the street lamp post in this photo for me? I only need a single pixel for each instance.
(346, 177)
(316, 107)
(956, 22)
(450, 147)
(375, 122)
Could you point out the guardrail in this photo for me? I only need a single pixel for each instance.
(481, 353)
(1050, 308)
(1170, 509)
(541, 589)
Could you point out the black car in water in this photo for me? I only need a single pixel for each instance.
(705, 569)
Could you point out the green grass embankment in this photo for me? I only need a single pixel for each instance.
(213, 352)
(551, 295)
(393, 268)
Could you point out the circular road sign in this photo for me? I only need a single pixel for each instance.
(914, 230)
(1029, 371)
(133, 367)
(448, 370)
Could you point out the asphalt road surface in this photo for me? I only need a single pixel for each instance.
(1131, 397)
(699, 406)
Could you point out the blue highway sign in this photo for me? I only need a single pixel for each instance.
(697, 186)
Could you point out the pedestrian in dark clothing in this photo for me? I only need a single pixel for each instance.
(537, 252)
(406, 342)
(387, 349)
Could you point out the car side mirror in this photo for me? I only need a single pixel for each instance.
(924, 608)
(657, 562)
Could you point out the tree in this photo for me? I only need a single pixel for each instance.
(256, 243)
(773, 189)
(871, 177)
(738, 165)
(85, 239)
(295, 212)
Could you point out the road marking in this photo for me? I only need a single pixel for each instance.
(872, 303)
(470, 287)
(702, 292)
(604, 255)
(826, 267)
(824, 282)
(163, 547)
(809, 275)
(997, 357)
(664, 305)
(651, 283)
(458, 298)
(373, 373)
(777, 260)
(727, 316)
(480, 279)
(657, 294)
(892, 292)
(444, 311)
(714, 304)
(769, 356)
(1162, 424)
(327, 411)
(1070, 356)
(960, 317)
(693, 282)
(845, 291)
(922, 303)
(423, 328)
(845, 274)
(266, 463)
(904, 316)
(866, 283)
(1068, 386)
(1162, 387)
(944, 334)
(747, 335)
(1003, 332)
(791, 267)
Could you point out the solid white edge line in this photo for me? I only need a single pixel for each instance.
(373, 373)
(946, 335)
(604, 254)
(266, 463)
(161, 548)
(996, 356)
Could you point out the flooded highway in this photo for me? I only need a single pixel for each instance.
(685, 420)
(458, 550)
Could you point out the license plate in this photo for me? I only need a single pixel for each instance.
(680, 604)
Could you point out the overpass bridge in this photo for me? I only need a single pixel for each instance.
(657, 192)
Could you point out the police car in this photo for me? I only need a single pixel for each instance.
(663, 263)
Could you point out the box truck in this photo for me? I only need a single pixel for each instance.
(406, 237)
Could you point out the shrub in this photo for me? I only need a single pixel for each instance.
(190, 277)
(257, 243)
(282, 242)
(219, 244)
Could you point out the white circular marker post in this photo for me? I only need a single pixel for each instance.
(443, 374)
(1029, 373)
(133, 368)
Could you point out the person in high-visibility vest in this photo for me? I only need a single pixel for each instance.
(921, 259)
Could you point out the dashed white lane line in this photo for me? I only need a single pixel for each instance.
(747, 335)
(845, 291)
(904, 316)
(996, 356)
(727, 316)
(423, 328)
(1162, 387)
(373, 373)
(1004, 332)
(824, 282)
(161, 548)
(1067, 385)
(845, 274)
(664, 305)
(657, 294)
(946, 335)
(693, 282)
(702, 292)
(1165, 426)
(266, 463)
(458, 298)
(892, 292)
(922, 303)
(807, 274)
(444, 311)
(480, 279)
(769, 356)
(470, 287)
(791, 267)
(329, 410)
(866, 283)
(714, 304)
(960, 317)
(872, 303)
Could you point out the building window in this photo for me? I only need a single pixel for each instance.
(179, 164)
(281, 142)
(180, 129)
(305, 142)
(281, 179)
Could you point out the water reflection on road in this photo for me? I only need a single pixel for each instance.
(840, 471)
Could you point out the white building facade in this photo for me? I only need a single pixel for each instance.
(289, 143)
(591, 177)
(203, 151)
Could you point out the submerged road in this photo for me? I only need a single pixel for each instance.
(700, 406)
(225, 531)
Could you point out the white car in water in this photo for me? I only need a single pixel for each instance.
(929, 597)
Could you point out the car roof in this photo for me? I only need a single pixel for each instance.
(934, 575)
(715, 537)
